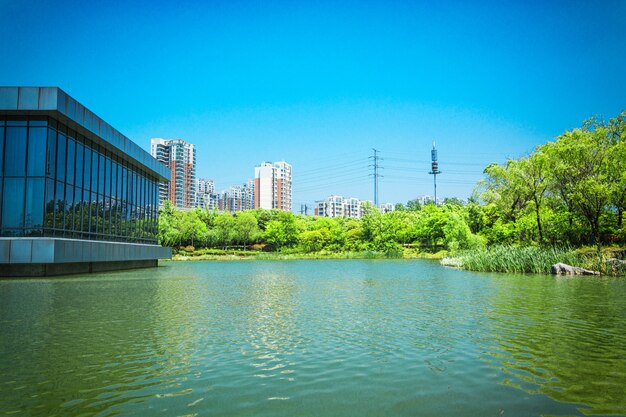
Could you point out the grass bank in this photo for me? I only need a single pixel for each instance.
(237, 255)
(530, 259)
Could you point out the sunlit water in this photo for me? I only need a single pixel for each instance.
(312, 338)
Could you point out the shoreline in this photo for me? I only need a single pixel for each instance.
(252, 256)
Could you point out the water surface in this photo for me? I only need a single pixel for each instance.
(312, 338)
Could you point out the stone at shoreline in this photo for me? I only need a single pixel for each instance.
(564, 269)
(616, 262)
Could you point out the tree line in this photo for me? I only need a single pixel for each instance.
(570, 191)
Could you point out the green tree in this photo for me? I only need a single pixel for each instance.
(413, 205)
(192, 229)
(223, 232)
(246, 227)
(532, 172)
(282, 232)
(616, 131)
(579, 165)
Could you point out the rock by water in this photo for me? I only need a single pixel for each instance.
(564, 269)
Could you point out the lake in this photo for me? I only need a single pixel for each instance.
(312, 338)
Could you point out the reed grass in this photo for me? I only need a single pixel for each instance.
(518, 259)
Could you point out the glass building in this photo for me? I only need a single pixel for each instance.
(75, 194)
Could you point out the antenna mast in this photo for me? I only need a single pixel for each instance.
(434, 168)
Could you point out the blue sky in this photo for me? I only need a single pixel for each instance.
(319, 84)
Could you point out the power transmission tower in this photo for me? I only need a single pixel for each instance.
(376, 174)
(434, 168)
(304, 209)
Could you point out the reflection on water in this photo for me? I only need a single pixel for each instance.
(312, 338)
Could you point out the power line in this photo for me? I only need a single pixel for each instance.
(327, 184)
(314, 171)
(335, 174)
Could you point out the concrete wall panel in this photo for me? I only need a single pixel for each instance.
(21, 251)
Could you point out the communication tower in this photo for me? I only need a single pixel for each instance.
(434, 168)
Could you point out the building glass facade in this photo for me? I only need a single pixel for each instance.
(56, 182)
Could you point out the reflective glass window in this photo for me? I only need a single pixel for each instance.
(142, 203)
(71, 160)
(69, 207)
(119, 180)
(15, 150)
(94, 171)
(1, 149)
(101, 174)
(134, 185)
(93, 213)
(78, 207)
(131, 182)
(79, 164)
(49, 208)
(36, 165)
(107, 177)
(124, 182)
(100, 215)
(87, 169)
(114, 179)
(106, 230)
(51, 153)
(59, 205)
(61, 153)
(86, 205)
(13, 208)
(34, 203)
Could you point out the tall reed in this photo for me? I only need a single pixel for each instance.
(518, 259)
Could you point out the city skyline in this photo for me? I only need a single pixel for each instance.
(321, 84)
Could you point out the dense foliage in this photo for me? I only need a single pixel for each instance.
(568, 192)
(429, 226)
(571, 191)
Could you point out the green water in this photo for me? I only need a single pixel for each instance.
(312, 338)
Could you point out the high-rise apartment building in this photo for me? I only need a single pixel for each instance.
(272, 186)
(180, 157)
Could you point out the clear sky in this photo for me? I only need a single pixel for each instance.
(319, 84)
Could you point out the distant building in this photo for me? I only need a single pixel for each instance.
(338, 206)
(272, 186)
(386, 207)
(247, 197)
(205, 186)
(206, 198)
(180, 157)
(237, 198)
(426, 199)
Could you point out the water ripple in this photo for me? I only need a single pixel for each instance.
(351, 338)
